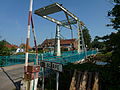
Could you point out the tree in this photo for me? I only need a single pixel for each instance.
(4, 51)
(97, 44)
(114, 15)
(87, 37)
(114, 38)
(114, 44)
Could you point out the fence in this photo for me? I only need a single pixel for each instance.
(69, 56)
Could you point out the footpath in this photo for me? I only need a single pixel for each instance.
(10, 77)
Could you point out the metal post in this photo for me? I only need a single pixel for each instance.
(57, 80)
(35, 81)
(28, 33)
(83, 42)
(58, 40)
(35, 41)
(27, 82)
(58, 53)
(43, 75)
(79, 49)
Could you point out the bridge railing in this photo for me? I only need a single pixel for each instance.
(14, 59)
(70, 56)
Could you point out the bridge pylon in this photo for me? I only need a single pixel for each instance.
(81, 43)
(57, 49)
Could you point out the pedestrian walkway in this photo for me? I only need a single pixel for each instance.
(10, 76)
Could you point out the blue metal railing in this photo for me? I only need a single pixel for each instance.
(69, 56)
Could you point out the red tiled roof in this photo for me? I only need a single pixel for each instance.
(47, 42)
(67, 41)
(11, 46)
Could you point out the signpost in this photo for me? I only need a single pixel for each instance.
(52, 65)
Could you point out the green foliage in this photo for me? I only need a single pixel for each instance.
(97, 44)
(108, 54)
(87, 37)
(104, 57)
(13, 49)
(115, 15)
(117, 1)
(4, 51)
(40, 51)
(116, 55)
(20, 53)
(112, 44)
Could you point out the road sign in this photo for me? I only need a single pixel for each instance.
(51, 65)
(57, 67)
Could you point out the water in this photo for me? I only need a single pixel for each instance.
(101, 63)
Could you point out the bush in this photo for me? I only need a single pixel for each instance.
(104, 57)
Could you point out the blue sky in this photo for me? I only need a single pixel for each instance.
(14, 19)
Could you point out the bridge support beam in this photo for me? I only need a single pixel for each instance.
(58, 52)
(79, 37)
(81, 43)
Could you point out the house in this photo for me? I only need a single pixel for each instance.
(10, 46)
(47, 45)
(66, 45)
(23, 47)
(19, 50)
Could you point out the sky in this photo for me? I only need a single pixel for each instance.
(14, 19)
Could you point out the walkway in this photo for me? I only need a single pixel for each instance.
(10, 76)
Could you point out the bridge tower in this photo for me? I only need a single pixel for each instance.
(57, 49)
(81, 43)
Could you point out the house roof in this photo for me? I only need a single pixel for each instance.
(47, 42)
(67, 41)
(11, 46)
